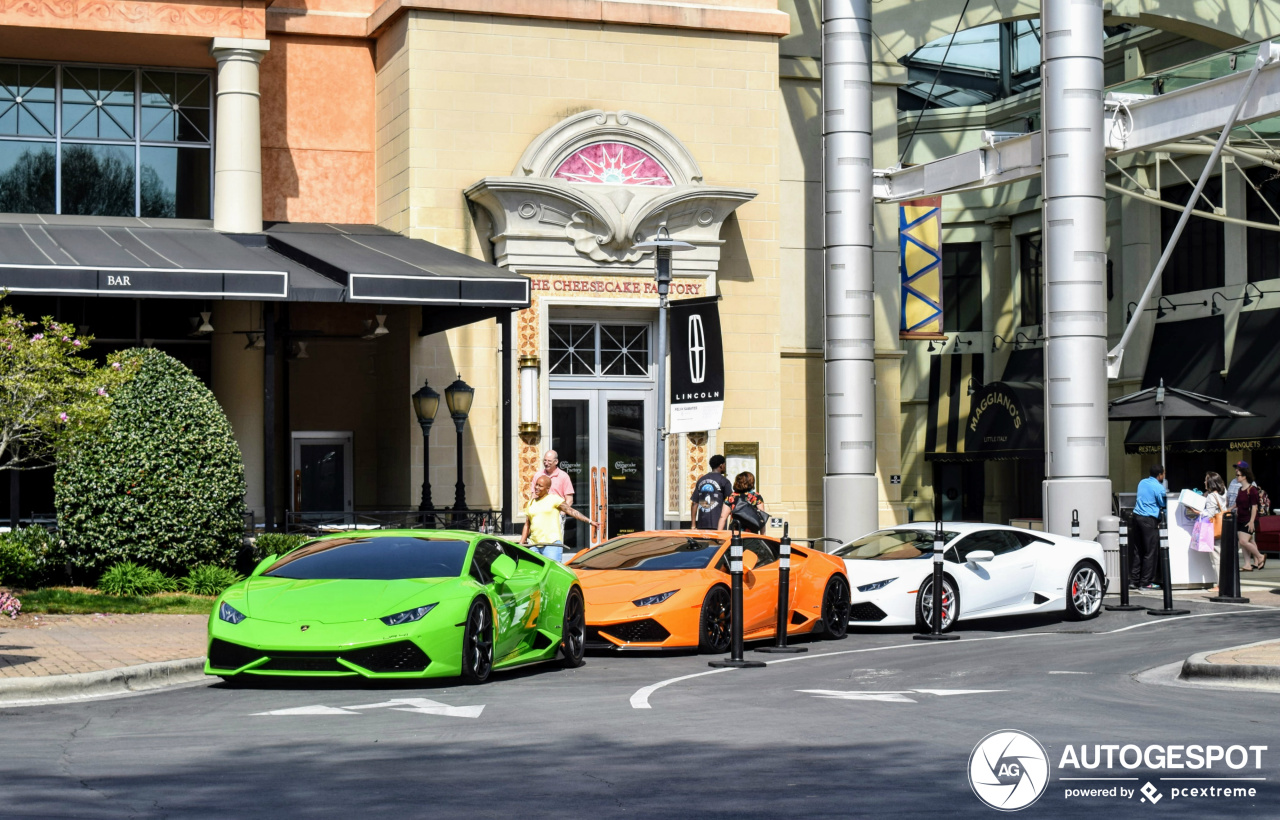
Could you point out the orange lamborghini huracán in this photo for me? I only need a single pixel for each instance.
(668, 589)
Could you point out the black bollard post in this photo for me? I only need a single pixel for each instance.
(1124, 605)
(1229, 564)
(735, 660)
(1075, 524)
(936, 633)
(784, 597)
(1165, 584)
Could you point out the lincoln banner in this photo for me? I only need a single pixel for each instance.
(920, 267)
(697, 365)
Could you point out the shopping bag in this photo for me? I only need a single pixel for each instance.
(1202, 535)
(1217, 526)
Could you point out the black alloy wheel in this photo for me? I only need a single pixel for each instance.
(835, 607)
(477, 643)
(574, 632)
(715, 626)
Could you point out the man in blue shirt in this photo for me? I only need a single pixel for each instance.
(1146, 528)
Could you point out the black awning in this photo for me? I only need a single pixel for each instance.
(1187, 355)
(378, 265)
(125, 257)
(950, 377)
(1026, 365)
(1253, 383)
(308, 262)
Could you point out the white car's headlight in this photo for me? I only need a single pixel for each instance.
(654, 599)
(229, 613)
(407, 616)
(876, 585)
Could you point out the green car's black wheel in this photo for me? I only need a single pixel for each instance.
(715, 624)
(835, 608)
(477, 643)
(575, 630)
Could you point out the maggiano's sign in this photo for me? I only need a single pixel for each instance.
(1006, 419)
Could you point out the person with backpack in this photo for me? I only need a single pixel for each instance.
(744, 506)
(709, 493)
(1248, 508)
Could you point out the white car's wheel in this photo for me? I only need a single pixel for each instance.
(924, 604)
(1084, 591)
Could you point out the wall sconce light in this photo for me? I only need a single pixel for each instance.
(529, 398)
(1215, 310)
(1248, 300)
(943, 340)
(997, 338)
(200, 325)
(1129, 316)
(1160, 311)
(372, 332)
(300, 350)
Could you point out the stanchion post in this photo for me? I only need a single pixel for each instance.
(1165, 575)
(1229, 564)
(1075, 524)
(936, 633)
(735, 660)
(784, 597)
(1124, 605)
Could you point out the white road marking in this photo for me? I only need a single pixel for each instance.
(418, 706)
(640, 698)
(308, 710)
(1066, 672)
(896, 696)
(943, 693)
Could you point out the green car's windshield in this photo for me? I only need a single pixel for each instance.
(373, 558)
(892, 545)
(650, 552)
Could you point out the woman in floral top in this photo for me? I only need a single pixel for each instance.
(744, 486)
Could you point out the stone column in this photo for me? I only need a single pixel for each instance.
(237, 170)
(237, 384)
(1075, 267)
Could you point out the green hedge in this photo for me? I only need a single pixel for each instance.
(29, 557)
(162, 486)
(276, 543)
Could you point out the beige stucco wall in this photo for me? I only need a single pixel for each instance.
(461, 96)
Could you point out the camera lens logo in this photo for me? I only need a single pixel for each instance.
(1008, 770)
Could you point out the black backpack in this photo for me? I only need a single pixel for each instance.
(707, 501)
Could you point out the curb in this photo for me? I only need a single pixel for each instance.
(1198, 669)
(19, 691)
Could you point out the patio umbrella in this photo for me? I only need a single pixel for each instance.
(1171, 403)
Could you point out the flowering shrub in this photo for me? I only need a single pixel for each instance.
(10, 605)
(163, 484)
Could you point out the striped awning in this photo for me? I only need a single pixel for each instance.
(949, 398)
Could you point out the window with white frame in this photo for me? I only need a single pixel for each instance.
(599, 349)
(105, 141)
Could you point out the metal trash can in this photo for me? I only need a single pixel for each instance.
(1109, 538)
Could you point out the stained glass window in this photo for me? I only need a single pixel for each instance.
(613, 163)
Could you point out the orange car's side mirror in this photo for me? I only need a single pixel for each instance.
(749, 560)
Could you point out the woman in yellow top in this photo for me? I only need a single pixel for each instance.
(542, 530)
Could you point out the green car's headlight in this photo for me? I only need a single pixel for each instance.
(229, 613)
(407, 616)
(655, 599)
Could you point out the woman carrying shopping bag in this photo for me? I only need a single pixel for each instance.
(1248, 502)
(1207, 531)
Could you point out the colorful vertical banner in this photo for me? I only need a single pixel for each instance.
(920, 266)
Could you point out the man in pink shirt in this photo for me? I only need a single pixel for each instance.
(561, 484)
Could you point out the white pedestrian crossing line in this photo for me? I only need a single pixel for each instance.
(417, 706)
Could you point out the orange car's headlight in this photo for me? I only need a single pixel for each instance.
(654, 599)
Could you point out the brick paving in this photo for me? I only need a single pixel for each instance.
(35, 646)
(1263, 654)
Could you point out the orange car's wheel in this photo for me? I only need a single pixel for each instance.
(716, 621)
(835, 607)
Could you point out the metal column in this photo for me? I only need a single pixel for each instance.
(849, 489)
(1075, 266)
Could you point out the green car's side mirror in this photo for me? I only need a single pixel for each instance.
(503, 567)
(263, 564)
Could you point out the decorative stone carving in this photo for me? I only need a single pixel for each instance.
(590, 187)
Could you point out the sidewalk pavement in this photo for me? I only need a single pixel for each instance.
(57, 657)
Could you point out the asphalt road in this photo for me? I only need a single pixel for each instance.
(843, 730)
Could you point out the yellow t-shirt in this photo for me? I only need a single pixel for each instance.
(544, 519)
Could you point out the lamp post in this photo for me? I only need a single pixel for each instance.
(459, 396)
(425, 404)
(662, 245)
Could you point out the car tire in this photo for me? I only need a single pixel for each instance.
(574, 632)
(950, 604)
(835, 608)
(715, 621)
(1084, 592)
(477, 642)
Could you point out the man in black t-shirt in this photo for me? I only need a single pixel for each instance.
(709, 494)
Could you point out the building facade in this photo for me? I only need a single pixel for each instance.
(540, 143)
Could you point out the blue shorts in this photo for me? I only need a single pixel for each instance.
(553, 551)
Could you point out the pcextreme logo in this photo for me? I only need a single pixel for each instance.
(1008, 770)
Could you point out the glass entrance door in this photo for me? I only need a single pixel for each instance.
(603, 438)
(322, 474)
